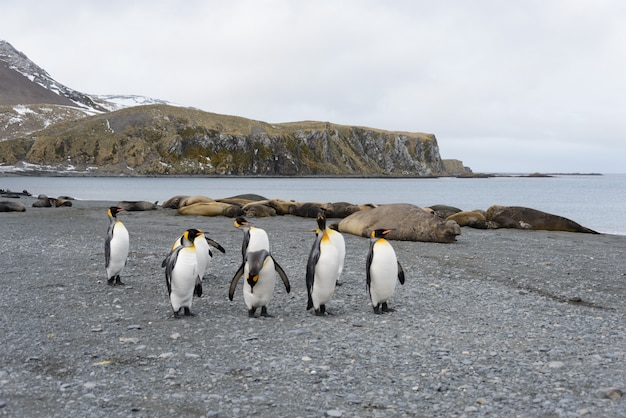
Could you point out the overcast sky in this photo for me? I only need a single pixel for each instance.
(523, 86)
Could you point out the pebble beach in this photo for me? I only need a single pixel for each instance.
(500, 323)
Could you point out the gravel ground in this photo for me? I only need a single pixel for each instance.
(500, 323)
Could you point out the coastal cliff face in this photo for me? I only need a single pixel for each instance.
(161, 140)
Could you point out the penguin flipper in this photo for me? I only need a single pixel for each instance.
(282, 275)
(235, 279)
(215, 244)
(400, 273)
(314, 257)
(169, 263)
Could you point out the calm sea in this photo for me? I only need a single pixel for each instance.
(597, 202)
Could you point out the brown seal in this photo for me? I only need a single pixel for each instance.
(211, 209)
(466, 218)
(173, 202)
(408, 223)
(6, 206)
(136, 205)
(519, 217)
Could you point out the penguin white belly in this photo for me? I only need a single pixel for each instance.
(202, 253)
(263, 290)
(326, 274)
(383, 273)
(340, 243)
(258, 240)
(183, 279)
(119, 250)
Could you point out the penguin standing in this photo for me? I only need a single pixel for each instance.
(256, 241)
(254, 238)
(115, 247)
(259, 272)
(322, 272)
(181, 272)
(382, 270)
(336, 238)
(204, 255)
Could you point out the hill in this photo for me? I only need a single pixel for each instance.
(48, 127)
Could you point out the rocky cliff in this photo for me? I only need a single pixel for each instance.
(161, 139)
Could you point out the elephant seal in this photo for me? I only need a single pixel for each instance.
(357, 208)
(252, 210)
(58, 202)
(249, 196)
(443, 211)
(519, 217)
(465, 218)
(211, 209)
(408, 223)
(309, 209)
(282, 207)
(136, 205)
(173, 202)
(12, 207)
(42, 201)
(190, 200)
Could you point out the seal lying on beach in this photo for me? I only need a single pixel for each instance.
(136, 205)
(407, 222)
(12, 207)
(211, 209)
(519, 217)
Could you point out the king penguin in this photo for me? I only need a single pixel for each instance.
(259, 272)
(336, 238)
(115, 247)
(254, 238)
(322, 271)
(204, 255)
(382, 270)
(181, 272)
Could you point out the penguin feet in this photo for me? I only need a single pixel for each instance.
(382, 308)
(251, 313)
(186, 312)
(386, 308)
(115, 281)
(322, 311)
(264, 312)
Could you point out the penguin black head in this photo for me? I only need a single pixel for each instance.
(321, 220)
(191, 234)
(380, 233)
(240, 221)
(114, 210)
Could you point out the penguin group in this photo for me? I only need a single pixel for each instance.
(189, 257)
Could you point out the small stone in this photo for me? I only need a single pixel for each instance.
(175, 336)
(556, 364)
(471, 409)
(306, 358)
(134, 326)
(166, 355)
(334, 413)
(97, 329)
(192, 355)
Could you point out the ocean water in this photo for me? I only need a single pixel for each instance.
(595, 201)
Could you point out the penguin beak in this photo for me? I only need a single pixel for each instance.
(252, 281)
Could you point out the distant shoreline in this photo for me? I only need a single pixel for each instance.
(355, 176)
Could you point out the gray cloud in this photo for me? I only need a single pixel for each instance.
(523, 86)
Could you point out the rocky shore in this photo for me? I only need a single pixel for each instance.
(500, 323)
